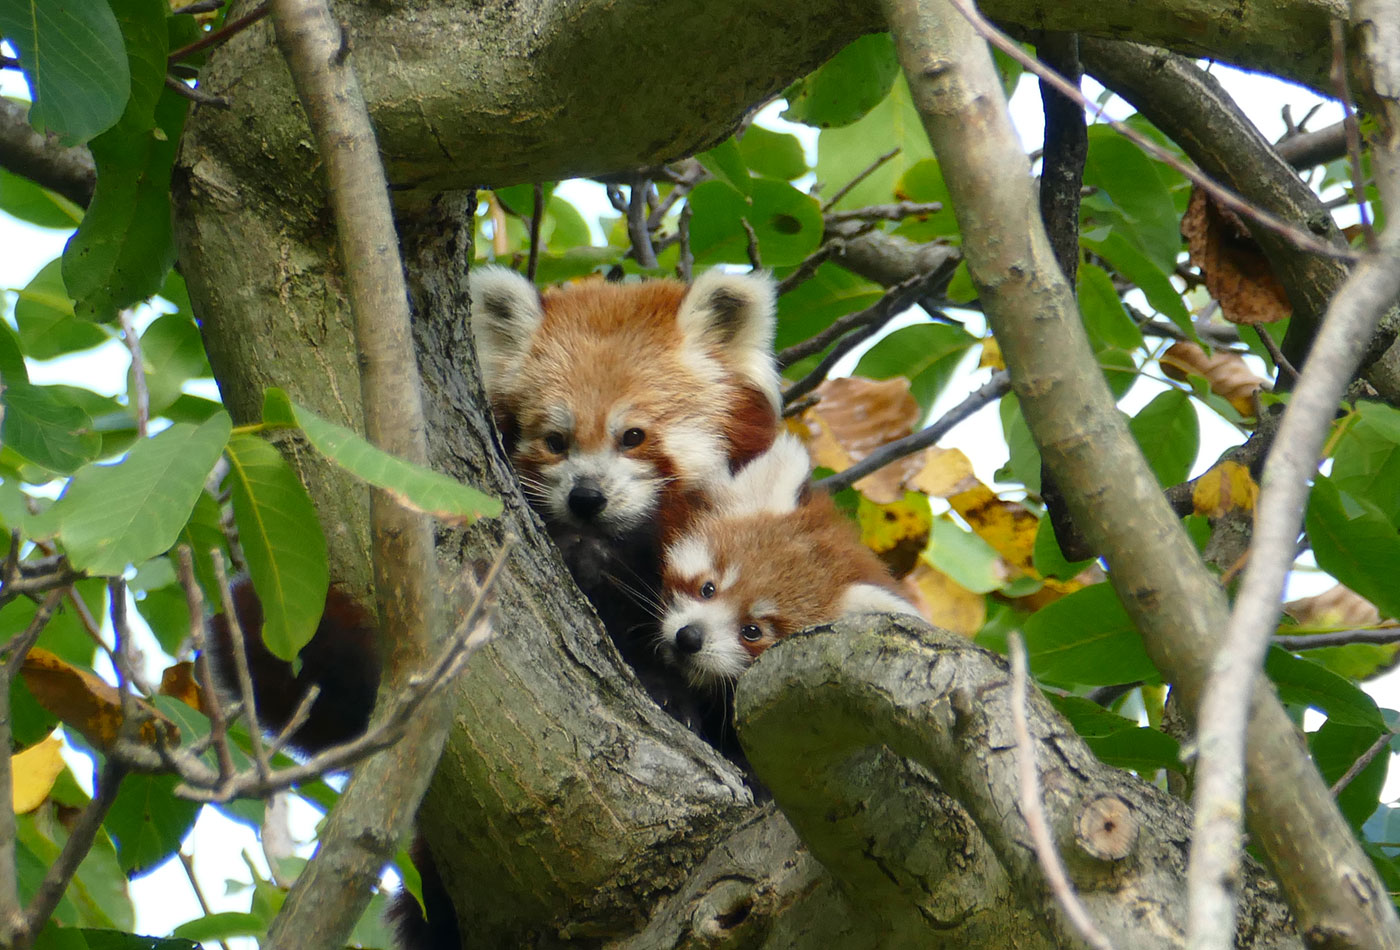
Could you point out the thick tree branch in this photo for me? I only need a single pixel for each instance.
(1175, 602)
(68, 171)
(813, 700)
(378, 805)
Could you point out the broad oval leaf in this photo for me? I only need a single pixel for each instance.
(282, 542)
(148, 822)
(1356, 543)
(74, 58)
(47, 429)
(115, 515)
(926, 354)
(23, 199)
(44, 315)
(848, 86)
(773, 154)
(419, 488)
(845, 153)
(1087, 638)
(1367, 461)
(1169, 434)
(1306, 683)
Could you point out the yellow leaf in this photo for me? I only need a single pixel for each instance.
(33, 772)
(991, 354)
(944, 602)
(1226, 486)
(1006, 525)
(946, 472)
(88, 705)
(897, 532)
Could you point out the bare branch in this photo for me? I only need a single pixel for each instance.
(685, 263)
(755, 261)
(804, 271)
(1363, 760)
(637, 223)
(218, 719)
(1298, 642)
(69, 172)
(140, 393)
(1307, 149)
(897, 211)
(1033, 811)
(1352, 128)
(219, 36)
(195, 93)
(536, 219)
(238, 645)
(990, 391)
(187, 863)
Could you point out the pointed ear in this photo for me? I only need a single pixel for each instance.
(732, 315)
(506, 312)
(873, 599)
(773, 483)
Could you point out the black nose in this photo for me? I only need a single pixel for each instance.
(586, 499)
(690, 638)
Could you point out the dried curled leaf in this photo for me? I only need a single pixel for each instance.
(1226, 373)
(1338, 607)
(1236, 272)
(1226, 487)
(178, 681)
(88, 705)
(34, 771)
(854, 417)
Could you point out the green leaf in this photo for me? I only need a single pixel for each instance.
(148, 822)
(116, 940)
(115, 515)
(773, 154)
(215, 927)
(726, 163)
(1367, 461)
(1024, 463)
(1356, 543)
(282, 542)
(844, 153)
(1306, 683)
(44, 315)
(787, 223)
(1335, 747)
(166, 611)
(1168, 432)
(42, 425)
(204, 533)
(1049, 560)
(923, 182)
(848, 86)
(810, 308)
(1151, 279)
(172, 352)
(963, 556)
(97, 895)
(1105, 320)
(1133, 194)
(1117, 741)
(1087, 638)
(23, 199)
(12, 368)
(926, 354)
(421, 489)
(563, 226)
(122, 251)
(74, 59)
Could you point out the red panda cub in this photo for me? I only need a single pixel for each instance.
(621, 405)
(774, 556)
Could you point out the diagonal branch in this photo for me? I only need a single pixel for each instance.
(68, 171)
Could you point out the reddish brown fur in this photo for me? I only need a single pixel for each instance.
(803, 561)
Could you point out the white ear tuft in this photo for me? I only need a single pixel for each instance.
(873, 599)
(772, 483)
(506, 312)
(734, 314)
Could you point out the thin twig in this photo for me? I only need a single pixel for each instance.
(1298, 642)
(1352, 128)
(18, 647)
(1296, 236)
(195, 93)
(79, 843)
(897, 211)
(1287, 375)
(996, 387)
(201, 6)
(863, 174)
(536, 219)
(214, 707)
(140, 392)
(240, 665)
(680, 188)
(9, 62)
(685, 263)
(804, 271)
(755, 259)
(299, 717)
(220, 35)
(637, 223)
(1033, 810)
(187, 863)
(1365, 759)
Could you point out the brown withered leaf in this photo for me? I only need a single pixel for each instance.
(85, 703)
(1226, 373)
(179, 681)
(943, 601)
(1338, 607)
(1236, 272)
(1226, 487)
(854, 417)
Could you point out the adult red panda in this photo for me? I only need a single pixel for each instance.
(772, 557)
(621, 405)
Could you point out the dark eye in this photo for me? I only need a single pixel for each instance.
(750, 632)
(633, 438)
(707, 589)
(556, 442)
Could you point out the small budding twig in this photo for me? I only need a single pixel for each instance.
(755, 259)
(1033, 810)
(218, 719)
(240, 666)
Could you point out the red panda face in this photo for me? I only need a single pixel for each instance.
(618, 399)
(773, 557)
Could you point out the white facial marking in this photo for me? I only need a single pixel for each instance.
(698, 452)
(763, 608)
(771, 483)
(689, 557)
(630, 486)
(872, 599)
(721, 656)
(730, 577)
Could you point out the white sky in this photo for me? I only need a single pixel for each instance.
(163, 898)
